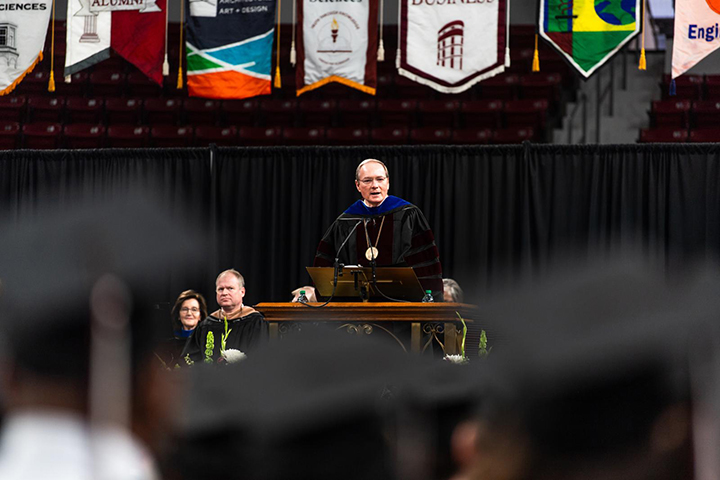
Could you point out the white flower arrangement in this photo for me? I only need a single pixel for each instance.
(456, 359)
(233, 356)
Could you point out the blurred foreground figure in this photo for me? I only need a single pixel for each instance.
(85, 397)
(307, 409)
(599, 365)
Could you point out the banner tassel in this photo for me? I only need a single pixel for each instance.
(68, 78)
(381, 44)
(536, 57)
(643, 62)
(166, 64)
(293, 53)
(672, 88)
(180, 55)
(278, 82)
(51, 83)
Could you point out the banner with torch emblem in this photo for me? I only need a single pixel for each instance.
(23, 27)
(450, 45)
(337, 42)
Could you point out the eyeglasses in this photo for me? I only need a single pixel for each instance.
(369, 181)
(186, 310)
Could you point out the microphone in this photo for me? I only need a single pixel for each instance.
(337, 255)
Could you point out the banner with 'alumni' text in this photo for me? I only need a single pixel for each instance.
(135, 29)
(337, 42)
(450, 45)
(23, 26)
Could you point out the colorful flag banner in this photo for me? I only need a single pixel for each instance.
(135, 29)
(337, 42)
(696, 33)
(451, 45)
(589, 32)
(229, 48)
(22, 38)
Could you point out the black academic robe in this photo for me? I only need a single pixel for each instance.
(406, 240)
(248, 334)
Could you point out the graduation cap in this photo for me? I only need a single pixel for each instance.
(596, 357)
(62, 267)
(310, 407)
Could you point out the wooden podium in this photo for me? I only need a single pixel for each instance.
(429, 321)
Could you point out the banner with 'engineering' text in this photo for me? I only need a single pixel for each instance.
(696, 33)
(337, 42)
(450, 45)
(23, 26)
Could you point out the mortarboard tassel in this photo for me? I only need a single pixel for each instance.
(672, 88)
(536, 57)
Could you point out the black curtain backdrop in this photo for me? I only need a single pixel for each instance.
(500, 214)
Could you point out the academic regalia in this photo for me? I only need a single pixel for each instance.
(170, 351)
(247, 333)
(404, 238)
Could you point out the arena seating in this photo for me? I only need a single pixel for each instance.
(112, 104)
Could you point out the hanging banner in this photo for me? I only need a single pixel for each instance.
(696, 33)
(23, 27)
(337, 42)
(135, 29)
(589, 32)
(229, 47)
(451, 45)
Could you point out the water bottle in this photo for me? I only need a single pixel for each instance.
(303, 298)
(428, 298)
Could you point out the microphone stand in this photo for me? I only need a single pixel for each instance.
(336, 265)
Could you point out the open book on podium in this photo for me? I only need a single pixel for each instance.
(356, 281)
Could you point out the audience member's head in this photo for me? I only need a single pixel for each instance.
(189, 309)
(230, 290)
(452, 291)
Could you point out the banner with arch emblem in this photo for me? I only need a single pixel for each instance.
(450, 45)
(23, 27)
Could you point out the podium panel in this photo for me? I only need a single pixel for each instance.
(428, 322)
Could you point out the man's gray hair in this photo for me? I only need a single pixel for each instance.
(235, 273)
(362, 164)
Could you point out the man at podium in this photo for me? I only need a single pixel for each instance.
(388, 230)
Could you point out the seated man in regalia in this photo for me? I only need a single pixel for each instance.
(394, 232)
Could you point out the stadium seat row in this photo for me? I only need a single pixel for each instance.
(276, 112)
(53, 135)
